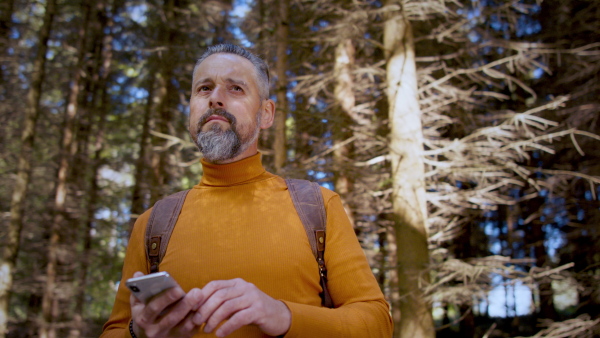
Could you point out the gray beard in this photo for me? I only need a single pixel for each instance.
(218, 146)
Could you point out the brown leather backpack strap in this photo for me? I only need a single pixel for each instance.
(162, 220)
(309, 204)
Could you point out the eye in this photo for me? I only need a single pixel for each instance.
(236, 88)
(203, 88)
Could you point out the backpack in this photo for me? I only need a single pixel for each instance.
(307, 199)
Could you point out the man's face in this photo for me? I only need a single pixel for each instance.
(226, 111)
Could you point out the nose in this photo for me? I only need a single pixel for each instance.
(217, 98)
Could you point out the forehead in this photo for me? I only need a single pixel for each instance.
(226, 66)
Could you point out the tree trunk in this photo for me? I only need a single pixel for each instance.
(102, 112)
(345, 98)
(164, 161)
(140, 192)
(409, 203)
(17, 205)
(281, 67)
(50, 301)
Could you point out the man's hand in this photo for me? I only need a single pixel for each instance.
(241, 303)
(168, 314)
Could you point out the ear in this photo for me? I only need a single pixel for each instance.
(268, 114)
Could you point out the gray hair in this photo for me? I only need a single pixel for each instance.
(260, 66)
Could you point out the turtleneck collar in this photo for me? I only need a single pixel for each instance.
(240, 172)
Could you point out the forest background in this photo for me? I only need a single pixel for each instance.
(462, 136)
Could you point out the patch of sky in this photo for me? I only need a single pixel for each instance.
(509, 300)
(121, 79)
(240, 9)
(14, 33)
(117, 45)
(102, 213)
(491, 229)
(318, 175)
(580, 214)
(185, 109)
(496, 248)
(137, 13)
(327, 185)
(290, 96)
(554, 240)
(527, 26)
(322, 105)
(138, 93)
(316, 48)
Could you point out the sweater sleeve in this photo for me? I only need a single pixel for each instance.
(117, 325)
(360, 308)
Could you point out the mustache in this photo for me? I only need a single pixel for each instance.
(218, 112)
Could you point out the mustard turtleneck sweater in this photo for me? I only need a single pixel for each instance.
(240, 222)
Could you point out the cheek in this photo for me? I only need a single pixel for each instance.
(193, 125)
(195, 114)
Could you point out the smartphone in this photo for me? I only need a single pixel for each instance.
(150, 285)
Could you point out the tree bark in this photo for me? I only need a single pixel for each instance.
(49, 300)
(409, 203)
(166, 172)
(17, 205)
(281, 66)
(140, 188)
(345, 98)
(101, 112)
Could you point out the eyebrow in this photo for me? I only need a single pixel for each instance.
(228, 80)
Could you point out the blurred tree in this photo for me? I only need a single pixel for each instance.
(99, 108)
(32, 112)
(281, 85)
(60, 239)
(408, 187)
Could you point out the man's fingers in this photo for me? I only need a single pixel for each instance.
(226, 310)
(216, 293)
(179, 310)
(185, 328)
(157, 304)
(239, 319)
(217, 285)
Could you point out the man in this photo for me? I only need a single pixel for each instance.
(239, 250)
